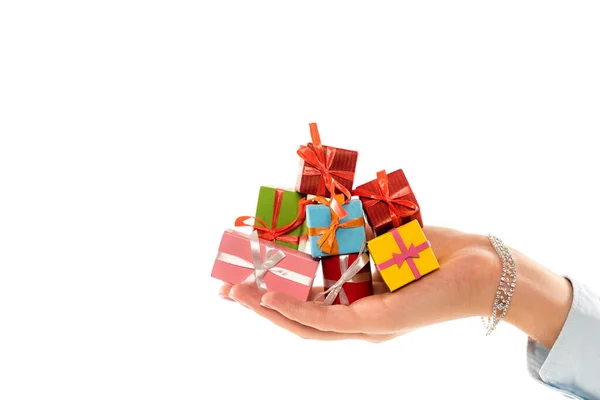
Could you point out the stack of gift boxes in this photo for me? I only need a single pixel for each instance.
(324, 222)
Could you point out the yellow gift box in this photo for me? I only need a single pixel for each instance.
(403, 255)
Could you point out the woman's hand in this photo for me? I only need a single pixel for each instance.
(464, 286)
(460, 288)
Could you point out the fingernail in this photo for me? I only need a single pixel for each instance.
(225, 298)
(237, 301)
(266, 306)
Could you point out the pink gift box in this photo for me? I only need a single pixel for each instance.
(293, 274)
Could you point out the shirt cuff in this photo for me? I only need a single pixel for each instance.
(572, 364)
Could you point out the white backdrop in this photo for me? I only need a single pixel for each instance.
(133, 133)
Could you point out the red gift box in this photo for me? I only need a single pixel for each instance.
(324, 167)
(356, 288)
(388, 201)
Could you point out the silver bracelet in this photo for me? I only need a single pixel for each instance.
(506, 288)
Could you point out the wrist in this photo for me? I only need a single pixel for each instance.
(540, 303)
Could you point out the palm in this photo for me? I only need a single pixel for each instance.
(439, 296)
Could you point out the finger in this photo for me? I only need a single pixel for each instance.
(382, 338)
(336, 318)
(224, 291)
(250, 296)
(446, 241)
(439, 240)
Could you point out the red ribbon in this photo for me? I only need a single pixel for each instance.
(273, 233)
(318, 161)
(399, 207)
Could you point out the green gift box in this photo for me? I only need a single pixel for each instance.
(276, 211)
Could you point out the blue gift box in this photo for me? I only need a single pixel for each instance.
(349, 240)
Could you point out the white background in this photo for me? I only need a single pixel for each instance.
(133, 133)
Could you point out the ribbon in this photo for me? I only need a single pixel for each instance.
(260, 267)
(349, 275)
(408, 254)
(318, 161)
(328, 242)
(273, 233)
(398, 207)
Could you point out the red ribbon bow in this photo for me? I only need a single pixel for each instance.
(399, 207)
(273, 233)
(318, 161)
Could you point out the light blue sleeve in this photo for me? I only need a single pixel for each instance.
(573, 365)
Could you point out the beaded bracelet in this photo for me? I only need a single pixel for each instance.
(506, 288)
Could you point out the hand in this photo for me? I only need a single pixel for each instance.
(464, 286)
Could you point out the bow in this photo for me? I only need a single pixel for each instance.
(318, 160)
(273, 233)
(328, 241)
(260, 267)
(349, 275)
(398, 207)
(407, 254)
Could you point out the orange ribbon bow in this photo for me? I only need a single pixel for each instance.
(328, 242)
(318, 161)
(273, 233)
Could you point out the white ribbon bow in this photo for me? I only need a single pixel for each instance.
(260, 268)
(349, 275)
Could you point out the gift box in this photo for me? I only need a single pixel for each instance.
(276, 211)
(356, 288)
(388, 201)
(324, 167)
(403, 255)
(248, 259)
(328, 234)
